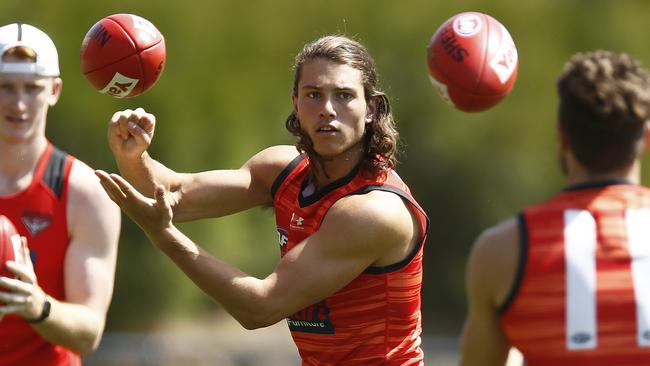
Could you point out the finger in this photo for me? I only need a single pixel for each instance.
(142, 127)
(111, 188)
(14, 299)
(22, 271)
(26, 258)
(162, 199)
(15, 285)
(12, 308)
(120, 120)
(126, 187)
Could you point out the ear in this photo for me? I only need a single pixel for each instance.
(645, 140)
(57, 85)
(294, 101)
(371, 108)
(562, 137)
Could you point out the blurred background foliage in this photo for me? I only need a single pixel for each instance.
(225, 92)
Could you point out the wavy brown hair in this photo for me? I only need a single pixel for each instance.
(604, 104)
(381, 137)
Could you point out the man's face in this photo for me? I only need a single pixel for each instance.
(24, 101)
(331, 106)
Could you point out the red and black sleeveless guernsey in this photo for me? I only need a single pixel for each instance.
(582, 295)
(39, 214)
(375, 319)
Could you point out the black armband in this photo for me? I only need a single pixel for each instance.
(44, 314)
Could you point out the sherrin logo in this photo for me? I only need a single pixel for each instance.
(467, 25)
(120, 86)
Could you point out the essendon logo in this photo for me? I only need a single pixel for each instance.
(313, 319)
(120, 86)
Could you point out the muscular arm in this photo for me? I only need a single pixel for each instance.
(490, 273)
(193, 195)
(357, 232)
(78, 321)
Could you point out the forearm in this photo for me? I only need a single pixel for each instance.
(73, 326)
(241, 295)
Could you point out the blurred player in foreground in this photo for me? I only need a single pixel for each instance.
(350, 233)
(55, 308)
(567, 281)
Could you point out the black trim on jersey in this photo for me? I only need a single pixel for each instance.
(599, 184)
(395, 266)
(523, 256)
(285, 172)
(316, 196)
(54, 171)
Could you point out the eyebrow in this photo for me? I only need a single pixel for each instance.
(341, 88)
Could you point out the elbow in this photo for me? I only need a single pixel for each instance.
(258, 317)
(87, 344)
(257, 322)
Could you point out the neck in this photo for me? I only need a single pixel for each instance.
(339, 166)
(576, 174)
(18, 163)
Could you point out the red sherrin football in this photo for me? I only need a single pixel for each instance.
(472, 61)
(10, 245)
(123, 55)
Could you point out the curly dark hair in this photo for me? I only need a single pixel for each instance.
(381, 137)
(604, 104)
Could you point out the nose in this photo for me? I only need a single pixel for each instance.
(18, 100)
(327, 109)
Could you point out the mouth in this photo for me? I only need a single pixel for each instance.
(327, 129)
(15, 119)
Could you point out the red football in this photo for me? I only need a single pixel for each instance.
(123, 55)
(10, 245)
(472, 61)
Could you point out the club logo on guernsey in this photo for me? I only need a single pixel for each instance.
(36, 222)
(313, 319)
(283, 236)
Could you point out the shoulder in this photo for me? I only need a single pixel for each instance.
(267, 164)
(86, 197)
(377, 218)
(493, 261)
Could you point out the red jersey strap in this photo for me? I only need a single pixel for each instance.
(287, 171)
(521, 265)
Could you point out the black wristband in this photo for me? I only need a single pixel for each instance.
(44, 314)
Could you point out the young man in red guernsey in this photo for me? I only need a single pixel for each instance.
(54, 309)
(351, 235)
(567, 282)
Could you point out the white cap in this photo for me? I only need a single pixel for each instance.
(47, 59)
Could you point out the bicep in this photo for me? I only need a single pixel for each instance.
(218, 193)
(354, 235)
(94, 227)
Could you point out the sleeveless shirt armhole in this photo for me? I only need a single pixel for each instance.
(55, 171)
(395, 266)
(521, 266)
(285, 173)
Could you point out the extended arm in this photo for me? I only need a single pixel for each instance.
(357, 232)
(193, 195)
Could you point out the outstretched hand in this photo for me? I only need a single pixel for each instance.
(152, 215)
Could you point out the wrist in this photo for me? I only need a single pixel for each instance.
(45, 313)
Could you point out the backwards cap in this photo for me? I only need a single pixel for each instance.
(47, 59)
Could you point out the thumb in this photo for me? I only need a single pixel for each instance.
(162, 202)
